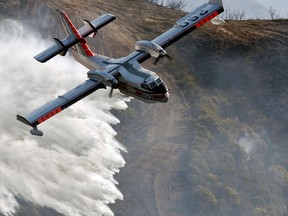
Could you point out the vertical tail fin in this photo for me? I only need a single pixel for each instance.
(81, 47)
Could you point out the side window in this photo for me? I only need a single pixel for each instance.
(158, 81)
(145, 86)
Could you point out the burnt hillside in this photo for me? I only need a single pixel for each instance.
(219, 147)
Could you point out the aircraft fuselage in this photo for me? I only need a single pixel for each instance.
(133, 79)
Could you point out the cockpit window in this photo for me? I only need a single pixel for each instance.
(158, 81)
(161, 89)
(157, 86)
(153, 85)
(145, 86)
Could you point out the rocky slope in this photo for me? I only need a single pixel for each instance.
(219, 146)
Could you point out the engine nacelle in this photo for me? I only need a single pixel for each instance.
(101, 76)
(152, 48)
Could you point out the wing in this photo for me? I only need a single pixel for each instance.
(183, 26)
(62, 102)
(61, 46)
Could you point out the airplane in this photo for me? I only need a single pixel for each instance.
(126, 73)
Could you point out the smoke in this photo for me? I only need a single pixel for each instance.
(252, 143)
(70, 168)
(247, 144)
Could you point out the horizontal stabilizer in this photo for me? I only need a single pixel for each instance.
(89, 24)
(59, 42)
(62, 46)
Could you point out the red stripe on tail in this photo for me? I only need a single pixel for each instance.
(81, 40)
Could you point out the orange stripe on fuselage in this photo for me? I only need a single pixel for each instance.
(84, 45)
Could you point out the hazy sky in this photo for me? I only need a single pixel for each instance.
(281, 5)
(252, 9)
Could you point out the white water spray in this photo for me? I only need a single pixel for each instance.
(70, 168)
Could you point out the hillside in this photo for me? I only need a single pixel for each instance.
(224, 127)
(252, 8)
(219, 147)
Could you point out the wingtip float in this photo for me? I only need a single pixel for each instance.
(127, 73)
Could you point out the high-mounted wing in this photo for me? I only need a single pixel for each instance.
(62, 102)
(62, 46)
(184, 26)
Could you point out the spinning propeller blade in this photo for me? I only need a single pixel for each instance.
(111, 92)
(114, 85)
(162, 56)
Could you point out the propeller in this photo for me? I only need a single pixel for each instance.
(114, 85)
(111, 92)
(162, 56)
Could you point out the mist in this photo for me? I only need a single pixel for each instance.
(70, 168)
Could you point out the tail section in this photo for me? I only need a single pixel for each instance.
(75, 37)
(82, 46)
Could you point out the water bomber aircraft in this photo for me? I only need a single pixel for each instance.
(126, 73)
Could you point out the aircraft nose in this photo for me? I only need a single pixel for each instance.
(166, 96)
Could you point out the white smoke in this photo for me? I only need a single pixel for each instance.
(247, 144)
(252, 143)
(70, 168)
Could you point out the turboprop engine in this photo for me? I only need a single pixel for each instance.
(103, 77)
(152, 48)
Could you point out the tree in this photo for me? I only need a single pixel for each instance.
(176, 4)
(234, 15)
(207, 196)
(274, 14)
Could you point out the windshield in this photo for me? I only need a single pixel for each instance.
(156, 86)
